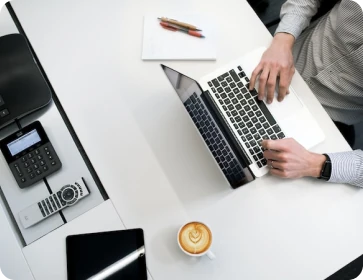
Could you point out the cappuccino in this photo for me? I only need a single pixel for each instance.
(195, 238)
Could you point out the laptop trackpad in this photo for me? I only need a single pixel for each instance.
(289, 106)
(280, 110)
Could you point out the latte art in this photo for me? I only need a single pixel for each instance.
(195, 238)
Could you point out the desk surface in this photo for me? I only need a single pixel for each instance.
(151, 159)
(8, 241)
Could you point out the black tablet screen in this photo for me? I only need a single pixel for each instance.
(88, 254)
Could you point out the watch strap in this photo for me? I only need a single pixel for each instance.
(326, 170)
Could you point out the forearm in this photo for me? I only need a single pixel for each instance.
(296, 15)
(285, 41)
(347, 167)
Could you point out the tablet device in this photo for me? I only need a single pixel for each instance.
(89, 254)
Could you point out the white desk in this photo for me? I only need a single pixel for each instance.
(10, 252)
(150, 157)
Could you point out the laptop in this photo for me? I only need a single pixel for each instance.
(233, 122)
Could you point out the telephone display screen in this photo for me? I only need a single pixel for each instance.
(24, 142)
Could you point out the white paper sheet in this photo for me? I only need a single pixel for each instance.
(162, 44)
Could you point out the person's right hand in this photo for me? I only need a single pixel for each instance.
(288, 159)
(276, 65)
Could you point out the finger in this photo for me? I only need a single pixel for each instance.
(276, 164)
(271, 155)
(278, 173)
(277, 145)
(292, 74)
(263, 80)
(271, 85)
(255, 73)
(281, 157)
(284, 83)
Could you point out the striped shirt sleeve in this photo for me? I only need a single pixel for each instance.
(347, 167)
(295, 16)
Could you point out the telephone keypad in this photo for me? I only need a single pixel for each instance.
(36, 165)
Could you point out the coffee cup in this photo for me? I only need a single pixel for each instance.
(195, 239)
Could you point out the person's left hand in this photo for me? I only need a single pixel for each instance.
(288, 159)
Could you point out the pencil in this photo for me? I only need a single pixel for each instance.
(179, 23)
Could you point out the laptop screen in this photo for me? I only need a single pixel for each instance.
(214, 133)
(183, 85)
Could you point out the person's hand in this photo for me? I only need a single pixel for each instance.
(276, 66)
(288, 159)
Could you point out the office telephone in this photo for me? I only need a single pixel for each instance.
(30, 155)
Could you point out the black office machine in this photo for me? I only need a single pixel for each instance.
(30, 155)
(23, 89)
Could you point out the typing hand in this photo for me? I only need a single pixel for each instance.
(288, 159)
(276, 65)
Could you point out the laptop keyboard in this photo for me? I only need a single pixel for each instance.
(214, 139)
(250, 118)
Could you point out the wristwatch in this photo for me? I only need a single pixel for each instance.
(326, 170)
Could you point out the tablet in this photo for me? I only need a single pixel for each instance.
(90, 254)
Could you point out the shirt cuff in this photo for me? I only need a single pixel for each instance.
(292, 24)
(344, 167)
